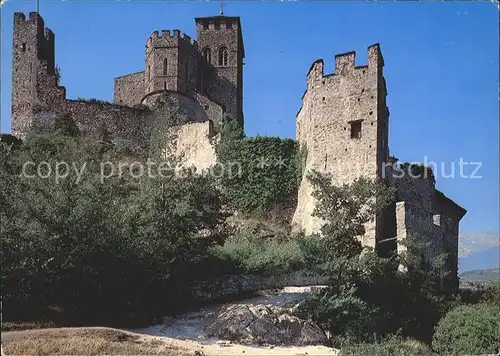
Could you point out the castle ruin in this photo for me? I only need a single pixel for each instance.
(342, 123)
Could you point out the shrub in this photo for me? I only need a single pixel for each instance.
(262, 256)
(392, 346)
(263, 169)
(469, 330)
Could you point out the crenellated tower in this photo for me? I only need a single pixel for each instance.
(204, 78)
(343, 125)
(34, 79)
(171, 62)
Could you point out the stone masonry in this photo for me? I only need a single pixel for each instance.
(342, 123)
(343, 127)
(207, 72)
(204, 79)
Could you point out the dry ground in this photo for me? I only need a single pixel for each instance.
(107, 341)
(83, 341)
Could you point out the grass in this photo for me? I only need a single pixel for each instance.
(97, 341)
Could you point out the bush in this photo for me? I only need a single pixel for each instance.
(469, 330)
(262, 256)
(263, 171)
(392, 346)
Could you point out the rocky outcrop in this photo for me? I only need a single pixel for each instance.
(260, 324)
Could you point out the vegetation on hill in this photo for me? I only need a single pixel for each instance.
(480, 276)
(99, 245)
(261, 172)
(91, 250)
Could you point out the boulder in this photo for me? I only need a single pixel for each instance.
(261, 324)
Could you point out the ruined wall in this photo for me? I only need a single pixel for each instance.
(331, 105)
(192, 145)
(231, 286)
(129, 89)
(425, 213)
(198, 108)
(38, 100)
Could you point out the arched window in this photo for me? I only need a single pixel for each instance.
(165, 67)
(223, 54)
(207, 55)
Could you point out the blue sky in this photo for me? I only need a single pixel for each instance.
(441, 67)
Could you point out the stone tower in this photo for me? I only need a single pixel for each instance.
(33, 71)
(343, 126)
(220, 42)
(171, 63)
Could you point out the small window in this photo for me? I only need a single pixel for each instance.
(23, 48)
(229, 25)
(207, 55)
(223, 56)
(165, 66)
(217, 25)
(356, 129)
(205, 25)
(165, 85)
(149, 72)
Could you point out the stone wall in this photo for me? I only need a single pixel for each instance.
(425, 213)
(192, 145)
(129, 89)
(197, 107)
(97, 119)
(332, 106)
(232, 286)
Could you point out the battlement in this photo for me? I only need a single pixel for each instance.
(217, 22)
(34, 19)
(170, 38)
(345, 63)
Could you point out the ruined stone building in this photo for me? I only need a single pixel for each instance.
(342, 123)
(343, 127)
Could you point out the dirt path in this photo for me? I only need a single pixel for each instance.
(186, 333)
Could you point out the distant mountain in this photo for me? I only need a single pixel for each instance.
(478, 251)
(476, 242)
(481, 276)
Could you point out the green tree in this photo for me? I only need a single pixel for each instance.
(98, 249)
(342, 308)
